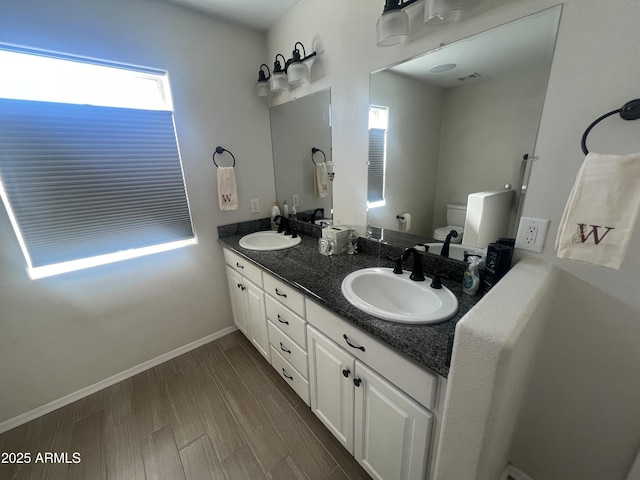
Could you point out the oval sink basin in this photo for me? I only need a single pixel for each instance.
(456, 250)
(268, 240)
(390, 296)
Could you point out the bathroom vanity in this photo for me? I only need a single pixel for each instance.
(378, 386)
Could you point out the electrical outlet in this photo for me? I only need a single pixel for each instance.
(295, 200)
(255, 205)
(531, 234)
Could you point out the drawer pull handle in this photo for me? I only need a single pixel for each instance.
(357, 382)
(280, 294)
(282, 321)
(346, 339)
(346, 372)
(284, 372)
(239, 266)
(284, 349)
(242, 287)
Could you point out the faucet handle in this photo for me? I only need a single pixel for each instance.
(397, 269)
(436, 282)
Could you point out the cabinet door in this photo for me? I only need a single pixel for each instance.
(238, 300)
(393, 431)
(331, 372)
(257, 319)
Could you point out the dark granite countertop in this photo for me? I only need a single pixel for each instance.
(319, 277)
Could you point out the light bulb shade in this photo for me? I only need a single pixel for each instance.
(298, 74)
(278, 82)
(392, 27)
(440, 12)
(262, 88)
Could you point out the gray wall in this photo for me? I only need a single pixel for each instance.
(412, 150)
(487, 126)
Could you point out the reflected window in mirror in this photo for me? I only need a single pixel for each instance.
(378, 124)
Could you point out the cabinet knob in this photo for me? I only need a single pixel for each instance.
(346, 372)
(357, 382)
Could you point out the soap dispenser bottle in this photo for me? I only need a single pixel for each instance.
(275, 211)
(471, 278)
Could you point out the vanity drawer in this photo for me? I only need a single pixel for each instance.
(286, 347)
(407, 375)
(291, 375)
(243, 266)
(285, 294)
(287, 321)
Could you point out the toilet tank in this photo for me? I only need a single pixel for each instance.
(488, 216)
(456, 215)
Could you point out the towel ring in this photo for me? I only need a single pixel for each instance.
(222, 150)
(313, 151)
(629, 111)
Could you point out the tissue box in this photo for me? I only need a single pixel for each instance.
(340, 237)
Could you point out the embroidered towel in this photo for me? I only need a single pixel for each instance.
(601, 211)
(321, 180)
(227, 192)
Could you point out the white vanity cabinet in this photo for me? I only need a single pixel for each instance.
(286, 326)
(248, 301)
(387, 431)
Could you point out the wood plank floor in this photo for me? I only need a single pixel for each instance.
(219, 412)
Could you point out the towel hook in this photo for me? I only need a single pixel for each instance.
(629, 111)
(222, 150)
(313, 151)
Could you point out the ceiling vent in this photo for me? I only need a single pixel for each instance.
(467, 77)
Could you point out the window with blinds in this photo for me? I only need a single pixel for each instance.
(378, 121)
(89, 173)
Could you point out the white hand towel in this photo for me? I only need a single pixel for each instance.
(321, 180)
(227, 191)
(601, 211)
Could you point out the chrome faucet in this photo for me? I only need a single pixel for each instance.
(445, 248)
(417, 274)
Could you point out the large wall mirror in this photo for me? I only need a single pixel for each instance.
(460, 120)
(297, 127)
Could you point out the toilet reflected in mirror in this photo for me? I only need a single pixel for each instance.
(456, 217)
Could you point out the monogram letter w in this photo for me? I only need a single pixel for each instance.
(584, 235)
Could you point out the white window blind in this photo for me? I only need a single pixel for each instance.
(377, 140)
(83, 181)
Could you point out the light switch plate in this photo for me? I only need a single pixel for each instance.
(295, 200)
(255, 205)
(531, 234)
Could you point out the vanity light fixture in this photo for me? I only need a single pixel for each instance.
(262, 86)
(440, 12)
(278, 82)
(297, 70)
(393, 25)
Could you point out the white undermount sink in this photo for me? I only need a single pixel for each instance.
(268, 240)
(390, 296)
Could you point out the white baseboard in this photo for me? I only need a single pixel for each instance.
(107, 382)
